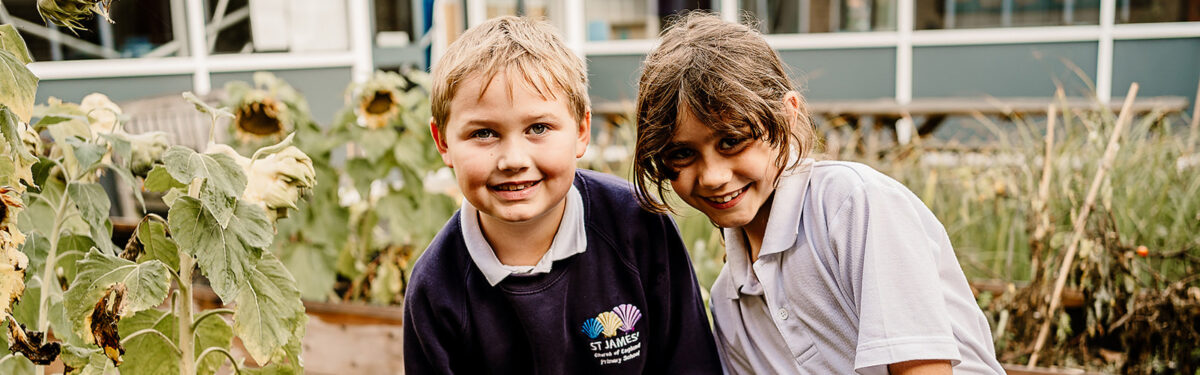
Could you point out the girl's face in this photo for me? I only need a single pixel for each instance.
(728, 178)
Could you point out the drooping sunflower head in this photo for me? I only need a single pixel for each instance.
(69, 13)
(265, 111)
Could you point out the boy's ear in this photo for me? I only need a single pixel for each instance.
(439, 142)
(585, 134)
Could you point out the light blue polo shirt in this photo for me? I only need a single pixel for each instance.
(570, 239)
(854, 273)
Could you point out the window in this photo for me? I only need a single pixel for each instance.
(633, 19)
(144, 29)
(821, 16)
(1141, 11)
(243, 26)
(966, 14)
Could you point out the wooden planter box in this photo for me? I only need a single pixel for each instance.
(341, 338)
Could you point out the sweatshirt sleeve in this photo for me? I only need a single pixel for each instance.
(688, 346)
(429, 346)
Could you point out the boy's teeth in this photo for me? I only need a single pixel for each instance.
(510, 187)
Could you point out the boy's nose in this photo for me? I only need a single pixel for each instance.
(513, 157)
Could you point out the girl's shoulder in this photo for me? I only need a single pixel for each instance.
(833, 180)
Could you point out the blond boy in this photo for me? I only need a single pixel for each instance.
(546, 269)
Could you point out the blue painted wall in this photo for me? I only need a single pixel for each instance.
(1007, 70)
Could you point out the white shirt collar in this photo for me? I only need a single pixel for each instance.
(783, 226)
(570, 239)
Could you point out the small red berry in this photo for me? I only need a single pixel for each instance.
(1142, 251)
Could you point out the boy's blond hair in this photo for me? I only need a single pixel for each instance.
(519, 47)
(726, 76)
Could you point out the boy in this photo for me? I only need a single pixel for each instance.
(545, 269)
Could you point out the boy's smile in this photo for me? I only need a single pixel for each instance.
(729, 179)
(513, 151)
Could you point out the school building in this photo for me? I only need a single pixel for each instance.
(848, 55)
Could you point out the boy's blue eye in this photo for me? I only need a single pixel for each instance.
(483, 133)
(539, 129)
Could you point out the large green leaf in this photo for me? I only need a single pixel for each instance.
(93, 205)
(268, 309)
(60, 324)
(159, 180)
(76, 357)
(18, 85)
(225, 255)
(145, 283)
(156, 244)
(147, 354)
(224, 180)
(316, 264)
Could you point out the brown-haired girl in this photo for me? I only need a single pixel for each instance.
(832, 267)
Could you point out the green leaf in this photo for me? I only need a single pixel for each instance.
(157, 245)
(20, 84)
(60, 324)
(147, 354)
(146, 286)
(93, 205)
(223, 178)
(316, 264)
(268, 309)
(98, 364)
(227, 255)
(376, 143)
(17, 161)
(81, 156)
(72, 248)
(159, 180)
(204, 107)
(11, 41)
(76, 356)
(121, 147)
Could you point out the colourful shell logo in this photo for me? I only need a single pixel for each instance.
(592, 328)
(629, 315)
(611, 323)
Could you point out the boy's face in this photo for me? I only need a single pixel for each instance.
(513, 155)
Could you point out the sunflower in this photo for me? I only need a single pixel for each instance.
(260, 116)
(378, 101)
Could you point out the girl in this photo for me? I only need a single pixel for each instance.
(832, 267)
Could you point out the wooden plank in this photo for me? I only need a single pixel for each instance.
(948, 106)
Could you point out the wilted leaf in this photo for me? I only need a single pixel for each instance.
(227, 255)
(18, 161)
(11, 41)
(223, 178)
(103, 322)
(29, 344)
(268, 309)
(20, 84)
(153, 244)
(146, 286)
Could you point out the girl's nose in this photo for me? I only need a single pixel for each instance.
(714, 174)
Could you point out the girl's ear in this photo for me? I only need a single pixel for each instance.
(440, 143)
(791, 101)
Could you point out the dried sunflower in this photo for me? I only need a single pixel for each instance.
(379, 101)
(68, 13)
(102, 113)
(12, 261)
(265, 112)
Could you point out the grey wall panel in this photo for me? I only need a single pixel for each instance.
(1160, 67)
(118, 89)
(844, 74)
(613, 77)
(1007, 70)
(323, 88)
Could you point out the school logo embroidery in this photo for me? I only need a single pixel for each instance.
(607, 346)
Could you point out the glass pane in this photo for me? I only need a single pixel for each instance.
(394, 26)
(967, 14)
(820, 16)
(143, 29)
(1142, 11)
(633, 19)
(242, 26)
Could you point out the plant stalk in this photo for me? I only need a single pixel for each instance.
(183, 305)
(49, 276)
(1110, 152)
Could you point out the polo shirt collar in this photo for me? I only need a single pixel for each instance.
(783, 226)
(570, 239)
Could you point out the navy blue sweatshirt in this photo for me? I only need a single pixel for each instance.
(629, 304)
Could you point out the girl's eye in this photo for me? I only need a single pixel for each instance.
(730, 143)
(483, 134)
(539, 129)
(679, 157)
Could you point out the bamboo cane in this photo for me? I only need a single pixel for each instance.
(1110, 152)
